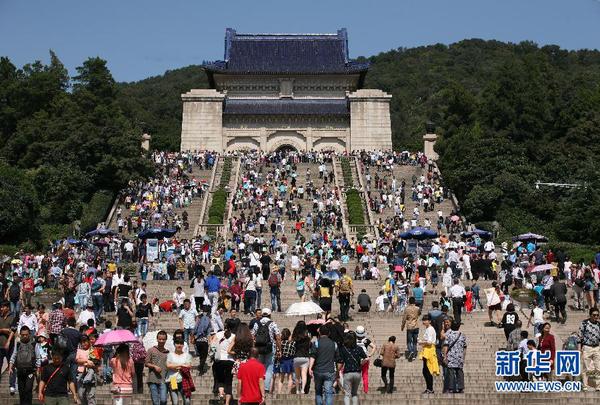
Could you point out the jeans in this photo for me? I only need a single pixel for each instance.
(267, 361)
(389, 385)
(142, 327)
(249, 302)
(324, 382)
(15, 308)
(351, 384)
(87, 394)
(158, 393)
(258, 297)
(344, 306)
(411, 341)
(98, 301)
(186, 334)
(175, 396)
(275, 299)
(25, 383)
(213, 298)
(456, 379)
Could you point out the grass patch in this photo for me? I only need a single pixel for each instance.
(346, 171)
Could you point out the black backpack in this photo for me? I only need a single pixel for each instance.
(14, 292)
(25, 359)
(262, 340)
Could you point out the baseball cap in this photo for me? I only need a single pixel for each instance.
(266, 312)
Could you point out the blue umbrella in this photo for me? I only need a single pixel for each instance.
(483, 234)
(419, 233)
(101, 232)
(157, 233)
(72, 241)
(332, 275)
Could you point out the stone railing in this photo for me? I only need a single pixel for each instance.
(232, 190)
(210, 229)
(113, 210)
(210, 189)
(336, 175)
(364, 196)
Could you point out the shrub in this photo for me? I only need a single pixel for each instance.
(346, 171)
(356, 212)
(226, 173)
(96, 209)
(216, 212)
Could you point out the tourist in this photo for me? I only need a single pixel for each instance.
(494, 301)
(187, 320)
(345, 293)
(351, 360)
(418, 293)
(410, 321)
(143, 313)
(547, 343)
(559, 293)
(589, 333)
(124, 315)
(138, 354)
(212, 285)
(156, 362)
(509, 320)
(201, 334)
(381, 302)
(57, 382)
(22, 363)
(324, 355)
(179, 364)
(428, 354)
(267, 339)
(123, 375)
(457, 295)
(389, 353)
(251, 381)
(370, 349)
(286, 362)
(454, 352)
(223, 364)
(363, 301)
(28, 319)
(86, 372)
(301, 357)
(274, 281)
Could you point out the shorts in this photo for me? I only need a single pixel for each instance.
(285, 366)
(496, 307)
(300, 362)
(325, 304)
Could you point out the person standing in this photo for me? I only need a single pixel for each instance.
(176, 362)
(22, 362)
(156, 362)
(589, 345)
(202, 331)
(429, 354)
(410, 320)
(123, 374)
(352, 357)
(559, 292)
(187, 320)
(457, 294)
(251, 380)
(454, 353)
(345, 293)
(389, 352)
(324, 356)
(57, 381)
(274, 282)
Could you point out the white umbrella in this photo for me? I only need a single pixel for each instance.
(303, 309)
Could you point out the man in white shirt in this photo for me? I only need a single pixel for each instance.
(457, 294)
(86, 315)
(380, 304)
(179, 297)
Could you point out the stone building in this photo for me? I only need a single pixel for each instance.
(273, 91)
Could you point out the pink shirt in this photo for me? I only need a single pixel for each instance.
(82, 355)
(122, 376)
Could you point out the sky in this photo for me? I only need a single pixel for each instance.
(143, 38)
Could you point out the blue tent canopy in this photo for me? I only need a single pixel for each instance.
(483, 234)
(419, 233)
(100, 232)
(157, 233)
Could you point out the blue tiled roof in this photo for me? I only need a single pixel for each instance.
(286, 107)
(286, 53)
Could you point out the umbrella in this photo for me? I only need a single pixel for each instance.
(16, 261)
(303, 309)
(541, 267)
(332, 275)
(116, 337)
(101, 242)
(157, 233)
(419, 233)
(530, 236)
(319, 321)
(454, 218)
(101, 232)
(483, 234)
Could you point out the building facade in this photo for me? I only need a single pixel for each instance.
(286, 91)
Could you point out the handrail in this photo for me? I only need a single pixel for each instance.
(364, 188)
(112, 211)
(232, 191)
(211, 185)
(453, 198)
(339, 189)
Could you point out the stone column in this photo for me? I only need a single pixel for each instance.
(370, 125)
(202, 123)
(429, 143)
(146, 142)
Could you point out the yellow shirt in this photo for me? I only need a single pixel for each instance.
(112, 267)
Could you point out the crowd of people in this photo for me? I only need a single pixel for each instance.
(103, 282)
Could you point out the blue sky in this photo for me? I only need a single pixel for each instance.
(142, 38)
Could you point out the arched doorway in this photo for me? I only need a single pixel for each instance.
(286, 149)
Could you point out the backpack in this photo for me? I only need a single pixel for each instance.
(14, 292)
(345, 285)
(25, 356)
(262, 340)
(387, 287)
(572, 343)
(300, 285)
(273, 280)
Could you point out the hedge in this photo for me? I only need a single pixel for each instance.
(226, 173)
(216, 212)
(346, 171)
(96, 209)
(356, 213)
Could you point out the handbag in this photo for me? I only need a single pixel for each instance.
(378, 362)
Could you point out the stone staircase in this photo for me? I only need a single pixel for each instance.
(479, 369)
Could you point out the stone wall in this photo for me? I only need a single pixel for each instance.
(370, 124)
(202, 121)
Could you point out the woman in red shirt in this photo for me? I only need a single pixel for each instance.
(547, 343)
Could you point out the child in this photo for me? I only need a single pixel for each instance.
(475, 289)
(286, 362)
(469, 300)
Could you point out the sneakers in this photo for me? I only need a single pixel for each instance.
(12, 391)
(427, 392)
